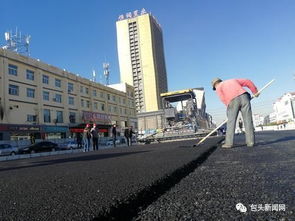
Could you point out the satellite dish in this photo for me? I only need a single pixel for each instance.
(7, 37)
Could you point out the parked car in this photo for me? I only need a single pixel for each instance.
(7, 149)
(110, 142)
(69, 146)
(40, 147)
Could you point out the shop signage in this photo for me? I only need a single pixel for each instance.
(95, 117)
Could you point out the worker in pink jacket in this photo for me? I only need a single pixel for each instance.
(236, 98)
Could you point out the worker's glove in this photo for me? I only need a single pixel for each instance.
(256, 95)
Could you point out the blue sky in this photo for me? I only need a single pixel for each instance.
(203, 39)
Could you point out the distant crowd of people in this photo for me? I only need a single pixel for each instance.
(92, 134)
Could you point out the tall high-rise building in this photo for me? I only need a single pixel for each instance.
(141, 58)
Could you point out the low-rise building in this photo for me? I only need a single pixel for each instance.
(284, 108)
(40, 99)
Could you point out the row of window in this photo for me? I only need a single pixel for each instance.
(72, 115)
(13, 70)
(58, 119)
(14, 90)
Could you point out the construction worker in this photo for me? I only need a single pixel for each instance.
(236, 98)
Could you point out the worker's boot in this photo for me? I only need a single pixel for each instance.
(226, 146)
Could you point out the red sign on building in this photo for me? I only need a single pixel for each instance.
(96, 117)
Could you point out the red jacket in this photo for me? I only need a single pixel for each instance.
(229, 89)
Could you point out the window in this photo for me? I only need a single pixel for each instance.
(82, 103)
(70, 87)
(115, 109)
(81, 89)
(30, 75)
(30, 92)
(119, 100)
(59, 117)
(13, 89)
(124, 101)
(57, 98)
(31, 118)
(110, 108)
(95, 105)
(45, 95)
(57, 83)
(46, 115)
(114, 98)
(101, 94)
(71, 101)
(72, 117)
(87, 104)
(109, 97)
(94, 93)
(102, 107)
(86, 90)
(12, 69)
(45, 79)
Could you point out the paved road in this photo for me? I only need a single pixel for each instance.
(106, 184)
(262, 175)
(168, 181)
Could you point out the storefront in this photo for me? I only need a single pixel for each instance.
(19, 132)
(102, 121)
(24, 132)
(54, 132)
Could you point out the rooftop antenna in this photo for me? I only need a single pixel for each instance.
(17, 42)
(106, 72)
(93, 75)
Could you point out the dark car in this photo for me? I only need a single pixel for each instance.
(7, 149)
(39, 147)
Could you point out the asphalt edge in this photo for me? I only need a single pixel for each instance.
(131, 207)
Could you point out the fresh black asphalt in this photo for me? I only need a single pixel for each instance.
(106, 184)
(166, 181)
(262, 175)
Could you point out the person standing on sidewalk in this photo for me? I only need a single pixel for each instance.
(126, 135)
(94, 135)
(86, 138)
(130, 135)
(236, 98)
(114, 133)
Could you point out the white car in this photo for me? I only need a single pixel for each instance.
(7, 149)
(110, 142)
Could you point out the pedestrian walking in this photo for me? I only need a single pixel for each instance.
(241, 125)
(94, 135)
(127, 135)
(86, 138)
(236, 98)
(131, 132)
(114, 133)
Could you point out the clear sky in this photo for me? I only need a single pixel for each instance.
(203, 39)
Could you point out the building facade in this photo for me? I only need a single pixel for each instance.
(284, 108)
(141, 58)
(49, 102)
